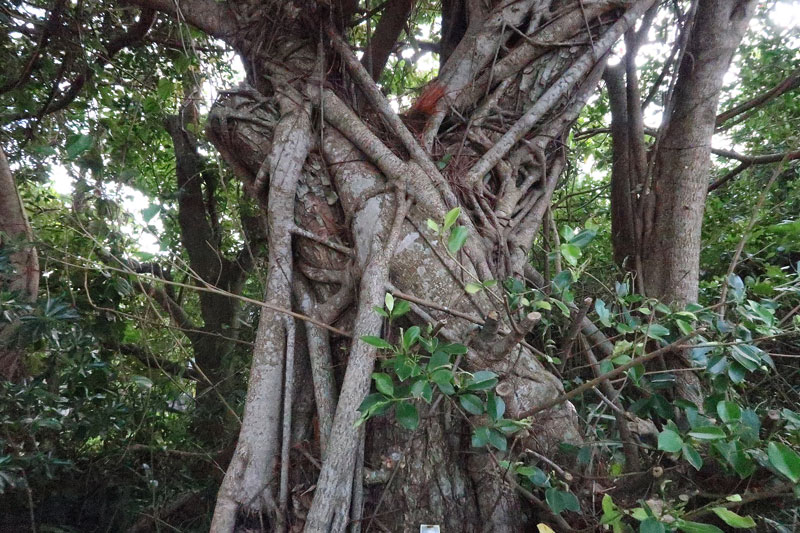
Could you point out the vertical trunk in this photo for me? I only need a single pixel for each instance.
(671, 244)
(19, 266)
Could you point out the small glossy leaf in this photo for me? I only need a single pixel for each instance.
(471, 403)
(651, 525)
(451, 217)
(410, 337)
(473, 288)
(406, 413)
(77, 144)
(498, 440)
(733, 519)
(785, 460)
(707, 433)
(729, 411)
(559, 500)
(377, 342)
(691, 455)
(383, 382)
(571, 253)
(457, 239)
(388, 300)
(669, 441)
(696, 527)
(480, 437)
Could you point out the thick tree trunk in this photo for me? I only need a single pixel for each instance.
(336, 210)
(671, 242)
(19, 269)
(658, 199)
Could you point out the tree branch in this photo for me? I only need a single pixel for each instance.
(790, 83)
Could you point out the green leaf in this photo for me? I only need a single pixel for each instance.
(651, 525)
(406, 413)
(77, 144)
(498, 440)
(377, 342)
(410, 337)
(401, 307)
(559, 500)
(696, 527)
(480, 437)
(733, 519)
(602, 312)
(457, 239)
(571, 253)
(583, 238)
(669, 441)
(433, 225)
(707, 433)
(471, 404)
(729, 411)
(150, 211)
(438, 360)
(372, 402)
(383, 382)
(380, 311)
(388, 300)
(495, 407)
(785, 460)
(473, 288)
(746, 355)
(444, 380)
(142, 381)
(691, 455)
(451, 217)
(482, 380)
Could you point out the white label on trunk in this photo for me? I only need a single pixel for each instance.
(424, 528)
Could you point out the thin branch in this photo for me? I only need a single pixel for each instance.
(677, 345)
(790, 83)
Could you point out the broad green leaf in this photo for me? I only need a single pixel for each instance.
(388, 300)
(406, 413)
(433, 225)
(707, 433)
(495, 407)
(785, 460)
(457, 239)
(482, 380)
(451, 217)
(651, 525)
(746, 355)
(471, 403)
(480, 437)
(377, 342)
(473, 288)
(602, 312)
(669, 441)
(142, 381)
(571, 253)
(691, 455)
(733, 519)
(410, 337)
(438, 360)
(383, 382)
(729, 411)
(498, 440)
(696, 527)
(401, 307)
(77, 144)
(559, 500)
